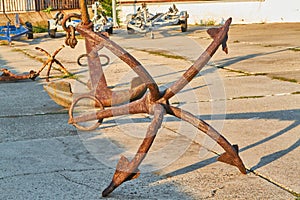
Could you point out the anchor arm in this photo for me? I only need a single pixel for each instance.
(129, 170)
(62, 68)
(231, 153)
(50, 62)
(220, 37)
(48, 54)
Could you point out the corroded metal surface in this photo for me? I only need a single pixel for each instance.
(154, 102)
(93, 43)
(9, 76)
(49, 62)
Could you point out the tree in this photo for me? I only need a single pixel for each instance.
(107, 7)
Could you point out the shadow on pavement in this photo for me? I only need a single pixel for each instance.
(230, 61)
(284, 115)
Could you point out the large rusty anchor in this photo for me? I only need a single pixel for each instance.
(61, 92)
(154, 102)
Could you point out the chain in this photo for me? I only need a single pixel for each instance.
(70, 30)
(71, 39)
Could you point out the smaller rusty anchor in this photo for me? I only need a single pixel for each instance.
(49, 62)
(9, 76)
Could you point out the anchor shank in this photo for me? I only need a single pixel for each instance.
(124, 56)
(98, 79)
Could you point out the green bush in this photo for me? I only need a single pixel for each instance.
(107, 7)
(39, 29)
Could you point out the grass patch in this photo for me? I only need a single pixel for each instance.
(241, 72)
(70, 75)
(39, 29)
(248, 97)
(24, 51)
(164, 54)
(80, 37)
(297, 92)
(4, 43)
(268, 45)
(260, 74)
(285, 79)
(295, 49)
(209, 22)
(236, 41)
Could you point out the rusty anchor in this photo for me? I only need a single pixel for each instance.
(9, 76)
(49, 62)
(61, 92)
(154, 102)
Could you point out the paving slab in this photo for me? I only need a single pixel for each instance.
(274, 53)
(60, 167)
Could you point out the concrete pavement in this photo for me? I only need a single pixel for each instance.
(250, 95)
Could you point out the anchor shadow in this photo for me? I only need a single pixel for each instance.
(284, 115)
(230, 61)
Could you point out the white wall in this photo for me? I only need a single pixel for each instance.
(241, 12)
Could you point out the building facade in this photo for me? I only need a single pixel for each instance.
(242, 11)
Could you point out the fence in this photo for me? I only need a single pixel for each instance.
(16, 6)
(11, 6)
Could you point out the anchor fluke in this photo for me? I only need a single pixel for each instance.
(123, 173)
(233, 159)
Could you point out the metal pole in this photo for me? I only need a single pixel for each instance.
(3, 7)
(114, 13)
(84, 12)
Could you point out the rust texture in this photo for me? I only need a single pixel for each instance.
(98, 84)
(154, 102)
(49, 62)
(9, 76)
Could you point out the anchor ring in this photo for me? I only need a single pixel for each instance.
(74, 103)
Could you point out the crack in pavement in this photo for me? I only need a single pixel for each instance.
(49, 172)
(78, 183)
(35, 114)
